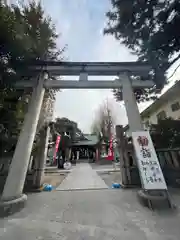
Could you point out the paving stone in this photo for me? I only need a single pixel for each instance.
(82, 177)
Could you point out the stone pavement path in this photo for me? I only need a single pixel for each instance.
(89, 215)
(82, 177)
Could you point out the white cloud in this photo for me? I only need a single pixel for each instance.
(108, 49)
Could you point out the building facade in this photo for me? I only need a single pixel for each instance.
(167, 106)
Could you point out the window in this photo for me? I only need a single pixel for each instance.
(161, 115)
(146, 124)
(175, 106)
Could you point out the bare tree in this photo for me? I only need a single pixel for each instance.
(104, 123)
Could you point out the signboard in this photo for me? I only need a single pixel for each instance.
(149, 168)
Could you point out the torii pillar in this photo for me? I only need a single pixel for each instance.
(134, 118)
(148, 197)
(12, 197)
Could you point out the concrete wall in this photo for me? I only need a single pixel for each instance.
(165, 107)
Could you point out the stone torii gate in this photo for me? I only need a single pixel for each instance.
(13, 197)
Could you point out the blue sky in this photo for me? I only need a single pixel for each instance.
(80, 24)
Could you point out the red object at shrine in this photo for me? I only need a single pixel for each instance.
(110, 156)
(143, 141)
(56, 146)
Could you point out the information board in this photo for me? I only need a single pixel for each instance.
(149, 168)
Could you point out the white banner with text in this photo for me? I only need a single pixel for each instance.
(149, 168)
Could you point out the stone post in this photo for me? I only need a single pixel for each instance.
(12, 197)
(42, 159)
(121, 150)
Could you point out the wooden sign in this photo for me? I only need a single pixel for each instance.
(149, 168)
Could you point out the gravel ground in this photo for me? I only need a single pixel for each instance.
(103, 166)
(110, 214)
(91, 215)
(110, 178)
(54, 178)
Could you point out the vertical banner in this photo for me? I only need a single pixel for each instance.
(110, 156)
(56, 147)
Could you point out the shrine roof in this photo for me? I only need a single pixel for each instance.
(89, 140)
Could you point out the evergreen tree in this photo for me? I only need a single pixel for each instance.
(149, 29)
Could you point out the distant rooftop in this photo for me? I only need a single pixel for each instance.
(90, 140)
